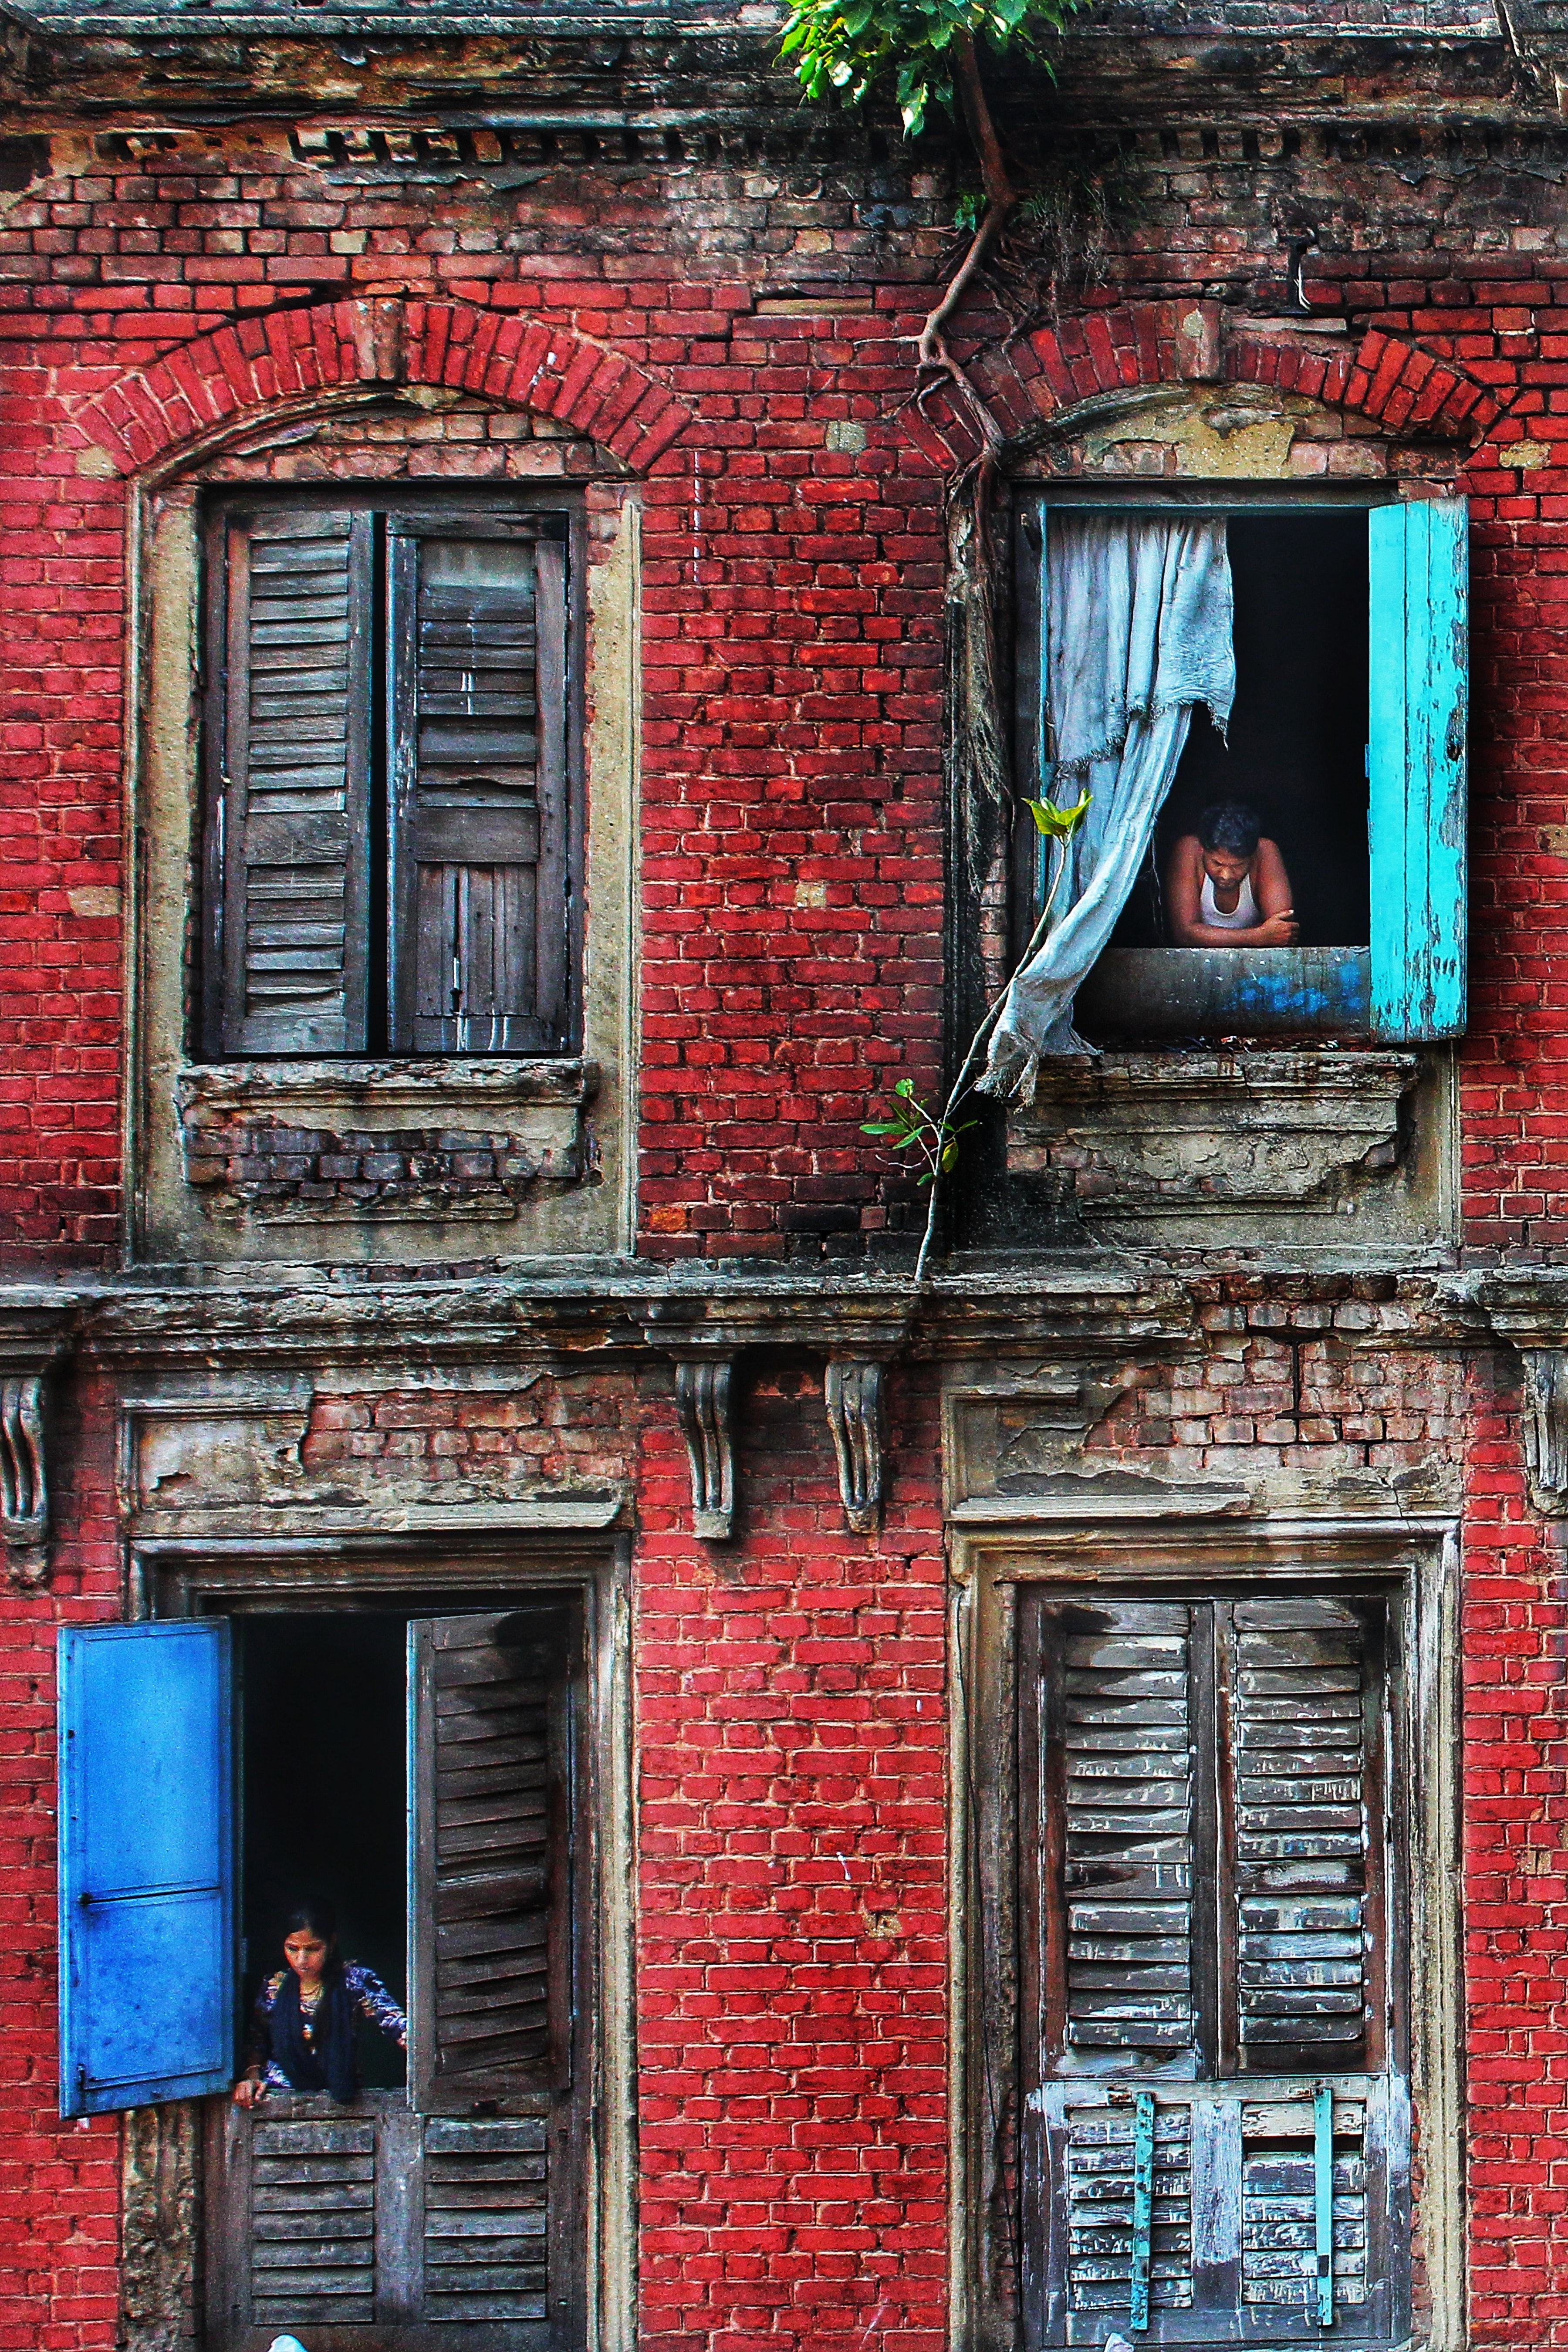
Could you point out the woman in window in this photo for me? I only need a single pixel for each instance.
(1226, 885)
(303, 2031)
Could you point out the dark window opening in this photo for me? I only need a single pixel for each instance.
(1347, 740)
(1296, 746)
(324, 1798)
(422, 1770)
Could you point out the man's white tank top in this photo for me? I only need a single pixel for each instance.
(1243, 917)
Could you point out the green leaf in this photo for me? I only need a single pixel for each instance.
(905, 1086)
(1059, 824)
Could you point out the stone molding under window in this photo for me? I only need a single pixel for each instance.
(1244, 1146)
(307, 1141)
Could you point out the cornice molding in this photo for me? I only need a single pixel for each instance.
(582, 1311)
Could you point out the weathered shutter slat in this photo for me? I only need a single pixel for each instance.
(492, 1955)
(145, 1864)
(487, 2242)
(294, 781)
(479, 822)
(1280, 2193)
(312, 2223)
(1103, 2238)
(1126, 1830)
(1302, 1830)
(1417, 767)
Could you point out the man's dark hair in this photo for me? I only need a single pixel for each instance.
(1231, 826)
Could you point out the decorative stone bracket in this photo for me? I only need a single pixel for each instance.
(853, 1394)
(703, 1385)
(852, 1391)
(24, 1483)
(1545, 1428)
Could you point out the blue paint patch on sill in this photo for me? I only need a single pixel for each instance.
(1153, 992)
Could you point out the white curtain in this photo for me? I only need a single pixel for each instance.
(1138, 631)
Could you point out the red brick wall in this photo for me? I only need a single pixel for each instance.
(791, 1753)
(58, 2181)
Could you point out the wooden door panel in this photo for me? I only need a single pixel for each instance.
(370, 2228)
(1217, 2142)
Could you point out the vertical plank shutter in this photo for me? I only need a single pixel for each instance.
(479, 819)
(492, 1942)
(1417, 767)
(1127, 1827)
(293, 792)
(144, 1865)
(1301, 1832)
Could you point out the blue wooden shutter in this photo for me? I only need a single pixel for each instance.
(147, 1951)
(1415, 768)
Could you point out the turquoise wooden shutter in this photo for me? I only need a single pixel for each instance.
(1415, 768)
(146, 1882)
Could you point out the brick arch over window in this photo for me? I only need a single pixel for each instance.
(292, 355)
(1136, 347)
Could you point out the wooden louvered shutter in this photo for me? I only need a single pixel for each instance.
(1304, 1836)
(491, 1974)
(288, 867)
(1216, 2141)
(479, 824)
(1122, 1968)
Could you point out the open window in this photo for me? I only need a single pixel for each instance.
(392, 834)
(1217, 2138)
(424, 1771)
(1346, 741)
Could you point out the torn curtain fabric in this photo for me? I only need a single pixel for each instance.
(1137, 632)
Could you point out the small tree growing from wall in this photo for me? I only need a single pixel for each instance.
(933, 53)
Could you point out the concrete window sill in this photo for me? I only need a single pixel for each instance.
(301, 1142)
(1145, 994)
(1209, 1132)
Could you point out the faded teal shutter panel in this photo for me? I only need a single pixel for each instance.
(146, 1881)
(1415, 767)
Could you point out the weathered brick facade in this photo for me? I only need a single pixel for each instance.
(620, 257)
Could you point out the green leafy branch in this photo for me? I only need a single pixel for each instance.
(1058, 823)
(934, 1135)
(844, 48)
(913, 1129)
(931, 50)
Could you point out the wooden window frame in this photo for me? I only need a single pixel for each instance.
(1216, 1928)
(400, 2125)
(1219, 2065)
(374, 881)
(1409, 984)
(1416, 1564)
